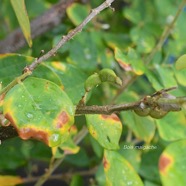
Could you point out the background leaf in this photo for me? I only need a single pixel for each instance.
(20, 11)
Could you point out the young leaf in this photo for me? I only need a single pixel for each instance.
(20, 11)
(92, 81)
(106, 129)
(39, 109)
(118, 171)
(181, 62)
(108, 75)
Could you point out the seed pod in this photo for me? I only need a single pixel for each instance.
(157, 113)
(142, 110)
(92, 81)
(108, 75)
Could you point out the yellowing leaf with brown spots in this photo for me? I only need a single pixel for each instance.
(106, 129)
(118, 170)
(39, 109)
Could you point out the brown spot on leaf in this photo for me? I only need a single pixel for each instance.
(26, 133)
(125, 66)
(105, 163)
(164, 162)
(112, 117)
(63, 118)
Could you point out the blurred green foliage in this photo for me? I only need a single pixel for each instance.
(122, 41)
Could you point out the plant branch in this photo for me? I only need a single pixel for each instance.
(71, 34)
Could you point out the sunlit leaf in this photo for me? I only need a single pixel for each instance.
(21, 13)
(172, 164)
(118, 171)
(172, 126)
(42, 111)
(181, 62)
(106, 129)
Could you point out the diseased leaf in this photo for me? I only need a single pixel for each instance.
(21, 13)
(129, 62)
(39, 109)
(106, 129)
(118, 171)
(181, 62)
(172, 164)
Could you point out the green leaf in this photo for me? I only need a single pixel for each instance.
(77, 13)
(145, 42)
(131, 154)
(118, 171)
(15, 64)
(11, 154)
(42, 111)
(172, 126)
(76, 181)
(181, 62)
(106, 129)
(172, 164)
(72, 78)
(21, 13)
(143, 127)
(149, 163)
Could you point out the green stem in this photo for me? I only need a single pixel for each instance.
(53, 166)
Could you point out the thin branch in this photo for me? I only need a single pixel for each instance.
(71, 34)
(64, 176)
(48, 20)
(165, 33)
(78, 138)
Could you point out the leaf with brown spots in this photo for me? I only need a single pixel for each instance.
(172, 164)
(39, 109)
(118, 171)
(106, 129)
